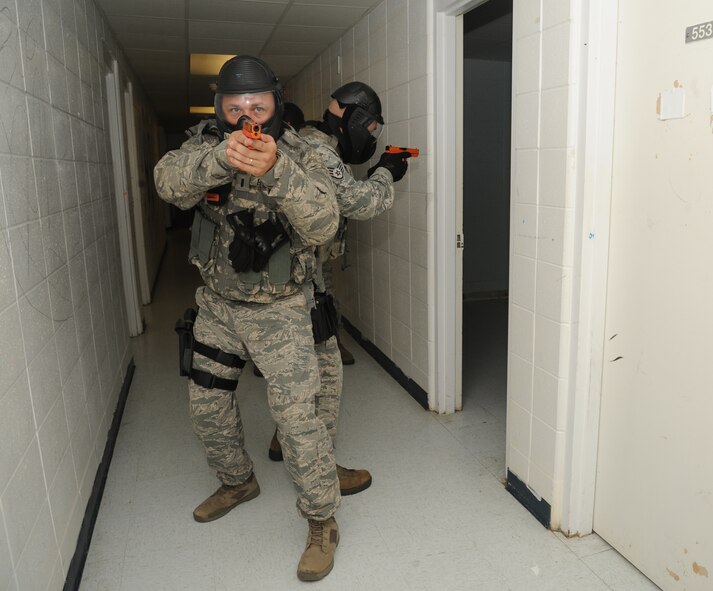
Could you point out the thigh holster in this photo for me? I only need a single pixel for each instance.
(324, 317)
(188, 345)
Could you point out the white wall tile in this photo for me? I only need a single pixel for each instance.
(45, 383)
(555, 56)
(419, 321)
(525, 177)
(554, 13)
(522, 281)
(417, 92)
(526, 121)
(526, 19)
(25, 495)
(7, 281)
(400, 337)
(419, 346)
(548, 344)
(551, 234)
(401, 307)
(518, 428)
(521, 332)
(17, 426)
(546, 398)
(419, 245)
(419, 280)
(399, 241)
(523, 230)
(36, 565)
(6, 571)
(520, 382)
(553, 124)
(397, 104)
(554, 291)
(54, 439)
(527, 64)
(543, 446)
(36, 319)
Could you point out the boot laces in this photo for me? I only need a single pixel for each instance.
(316, 533)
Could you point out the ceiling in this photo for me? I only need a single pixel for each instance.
(158, 37)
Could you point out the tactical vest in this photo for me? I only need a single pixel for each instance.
(289, 267)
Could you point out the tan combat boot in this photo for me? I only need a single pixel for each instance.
(275, 451)
(351, 481)
(226, 498)
(318, 558)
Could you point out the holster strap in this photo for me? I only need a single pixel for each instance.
(210, 381)
(217, 355)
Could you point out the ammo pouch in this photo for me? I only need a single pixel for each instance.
(203, 233)
(324, 317)
(253, 246)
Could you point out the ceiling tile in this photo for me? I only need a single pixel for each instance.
(161, 42)
(147, 25)
(235, 11)
(362, 3)
(220, 30)
(313, 34)
(157, 8)
(226, 46)
(323, 16)
(294, 48)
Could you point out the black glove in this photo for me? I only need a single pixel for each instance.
(395, 163)
(242, 249)
(269, 236)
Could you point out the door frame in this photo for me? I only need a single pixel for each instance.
(595, 44)
(137, 198)
(121, 195)
(445, 391)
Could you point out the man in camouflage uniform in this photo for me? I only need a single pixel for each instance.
(263, 204)
(348, 133)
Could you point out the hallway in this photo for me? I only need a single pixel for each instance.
(436, 517)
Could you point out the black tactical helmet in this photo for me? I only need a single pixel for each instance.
(245, 74)
(360, 126)
(294, 116)
(362, 95)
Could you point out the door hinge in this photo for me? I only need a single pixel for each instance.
(459, 241)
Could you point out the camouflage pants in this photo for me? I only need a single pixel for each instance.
(330, 390)
(278, 338)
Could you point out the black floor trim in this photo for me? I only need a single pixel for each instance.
(416, 392)
(538, 507)
(76, 567)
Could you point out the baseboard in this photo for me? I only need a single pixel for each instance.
(76, 567)
(537, 506)
(416, 392)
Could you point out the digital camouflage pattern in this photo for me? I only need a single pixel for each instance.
(359, 200)
(278, 338)
(263, 316)
(298, 187)
(330, 390)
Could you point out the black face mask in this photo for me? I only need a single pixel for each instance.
(356, 142)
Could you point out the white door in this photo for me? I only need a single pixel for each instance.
(654, 488)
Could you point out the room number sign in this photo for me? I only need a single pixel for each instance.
(699, 32)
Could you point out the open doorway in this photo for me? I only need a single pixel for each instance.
(487, 91)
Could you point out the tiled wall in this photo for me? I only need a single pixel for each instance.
(64, 343)
(383, 290)
(542, 243)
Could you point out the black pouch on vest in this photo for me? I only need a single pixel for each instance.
(324, 318)
(218, 195)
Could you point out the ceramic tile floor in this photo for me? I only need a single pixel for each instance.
(436, 518)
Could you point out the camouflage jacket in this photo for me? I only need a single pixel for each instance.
(297, 188)
(357, 200)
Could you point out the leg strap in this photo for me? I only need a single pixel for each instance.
(210, 381)
(217, 355)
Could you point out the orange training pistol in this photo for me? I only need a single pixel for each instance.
(400, 150)
(252, 130)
